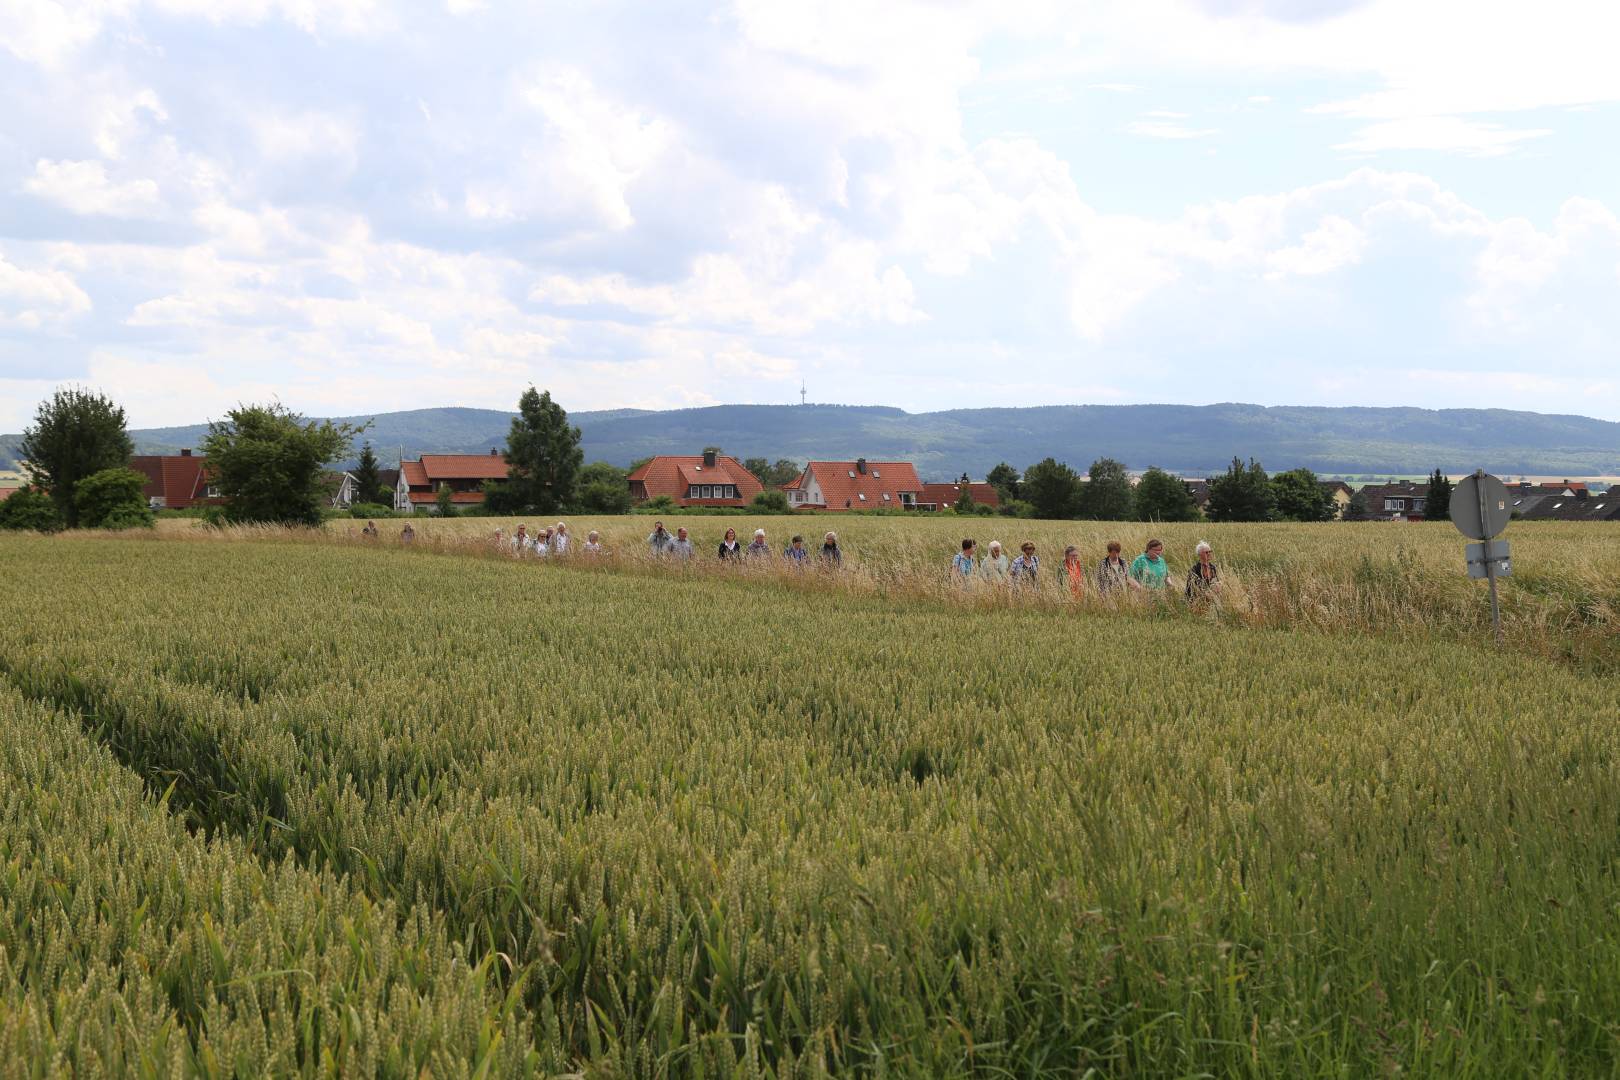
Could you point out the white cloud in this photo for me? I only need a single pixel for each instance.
(1168, 129)
(1443, 133)
(635, 211)
(34, 299)
(84, 187)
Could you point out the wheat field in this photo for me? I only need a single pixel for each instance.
(282, 804)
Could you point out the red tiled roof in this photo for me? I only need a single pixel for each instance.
(8, 492)
(415, 475)
(178, 479)
(673, 474)
(428, 498)
(943, 495)
(842, 484)
(463, 467)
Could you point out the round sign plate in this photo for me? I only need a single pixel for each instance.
(1465, 507)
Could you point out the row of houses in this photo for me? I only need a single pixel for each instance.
(712, 479)
(709, 479)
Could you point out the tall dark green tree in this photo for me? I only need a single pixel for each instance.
(1297, 495)
(267, 462)
(1438, 508)
(1241, 494)
(1004, 478)
(964, 500)
(368, 477)
(1052, 488)
(1106, 495)
(75, 433)
(543, 459)
(1162, 497)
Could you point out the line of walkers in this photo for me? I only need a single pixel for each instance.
(1148, 572)
(660, 543)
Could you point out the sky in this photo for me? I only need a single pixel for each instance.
(353, 206)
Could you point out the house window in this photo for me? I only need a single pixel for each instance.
(1417, 505)
(906, 498)
(1394, 504)
(876, 475)
(885, 496)
(862, 496)
(212, 492)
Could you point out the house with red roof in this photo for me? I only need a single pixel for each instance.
(855, 485)
(707, 479)
(944, 496)
(176, 481)
(465, 474)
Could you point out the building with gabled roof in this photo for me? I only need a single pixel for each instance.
(855, 485)
(1581, 506)
(707, 479)
(175, 481)
(1396, 502)
(463, 474)
(944, 496)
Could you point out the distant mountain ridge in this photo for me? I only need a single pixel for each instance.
(1189, 439)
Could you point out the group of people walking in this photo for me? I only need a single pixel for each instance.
(1148, 572)
(661, 544)
(547, 540)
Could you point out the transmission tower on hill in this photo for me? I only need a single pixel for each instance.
(802, 392)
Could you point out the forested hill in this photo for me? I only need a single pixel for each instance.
(1189, 439)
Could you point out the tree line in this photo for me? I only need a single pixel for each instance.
(268, 463)
(1245, 492)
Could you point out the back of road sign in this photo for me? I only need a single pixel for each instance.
(1476, 519)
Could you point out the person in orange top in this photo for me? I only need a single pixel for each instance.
(1074, 571)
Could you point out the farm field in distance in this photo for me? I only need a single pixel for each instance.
(289, 806)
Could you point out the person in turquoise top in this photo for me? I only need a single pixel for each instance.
(1149, 569)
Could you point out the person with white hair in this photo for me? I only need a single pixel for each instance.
(995, 566)
(1203, 578)
(759, 549)
(559, 539)
(831, 557)
(593, 543)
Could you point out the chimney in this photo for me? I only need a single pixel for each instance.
(709, 458)
(186, 452)
(860, 466)
(493, 452)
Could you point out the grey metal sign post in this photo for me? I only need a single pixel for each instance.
(1479, 509)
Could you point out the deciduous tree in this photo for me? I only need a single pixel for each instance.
(75, 433)
(1052, 488)
(1297, 495)
(112, 499)
(267, 460)
(1004, 478)
(1162, 497)
(1106, 495)
(1241, 494)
